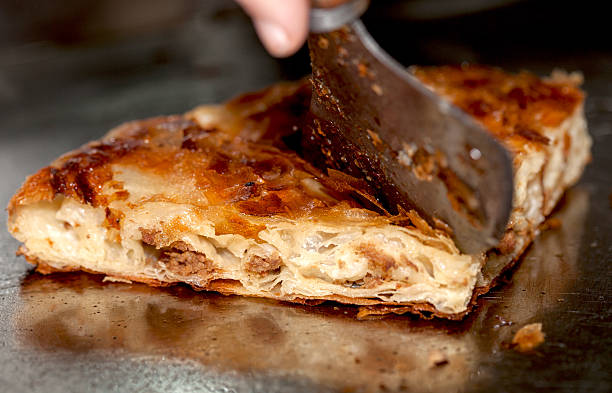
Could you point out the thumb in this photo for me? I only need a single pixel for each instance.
(282, 25)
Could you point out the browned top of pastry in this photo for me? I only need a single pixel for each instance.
(212, 166)
(236, 159)
(514, 107)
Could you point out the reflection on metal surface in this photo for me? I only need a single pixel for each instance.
(78, 314)
(547, 271)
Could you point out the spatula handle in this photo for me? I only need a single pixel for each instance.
(329, 15)
(328, 3)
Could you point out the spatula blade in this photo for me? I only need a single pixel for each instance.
(374, 120)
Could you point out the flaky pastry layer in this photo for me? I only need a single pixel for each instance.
(216, 199)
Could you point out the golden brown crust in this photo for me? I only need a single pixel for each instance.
(260, 179)
(241, 178)
(37, 187)
(514, 108)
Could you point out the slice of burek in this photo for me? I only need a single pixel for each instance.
(216, 199)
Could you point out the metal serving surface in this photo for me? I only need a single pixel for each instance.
(71, 332)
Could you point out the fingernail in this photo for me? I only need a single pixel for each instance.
(274, 37)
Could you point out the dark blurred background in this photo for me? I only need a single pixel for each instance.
(91, 64)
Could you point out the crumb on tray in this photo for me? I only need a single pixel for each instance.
(528, 337)
(116, 279)
(437, 358)
(551, 223)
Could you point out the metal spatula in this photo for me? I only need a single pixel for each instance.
(372, 119)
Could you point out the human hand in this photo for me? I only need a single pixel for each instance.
(282, 25)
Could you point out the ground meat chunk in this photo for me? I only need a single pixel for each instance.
(261, 265)
(186, 263)
(152, 237)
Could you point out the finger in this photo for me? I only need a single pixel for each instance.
(282, 25)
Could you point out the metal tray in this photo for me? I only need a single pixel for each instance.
(72, 332)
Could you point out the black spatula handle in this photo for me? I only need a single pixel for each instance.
(329, 15)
